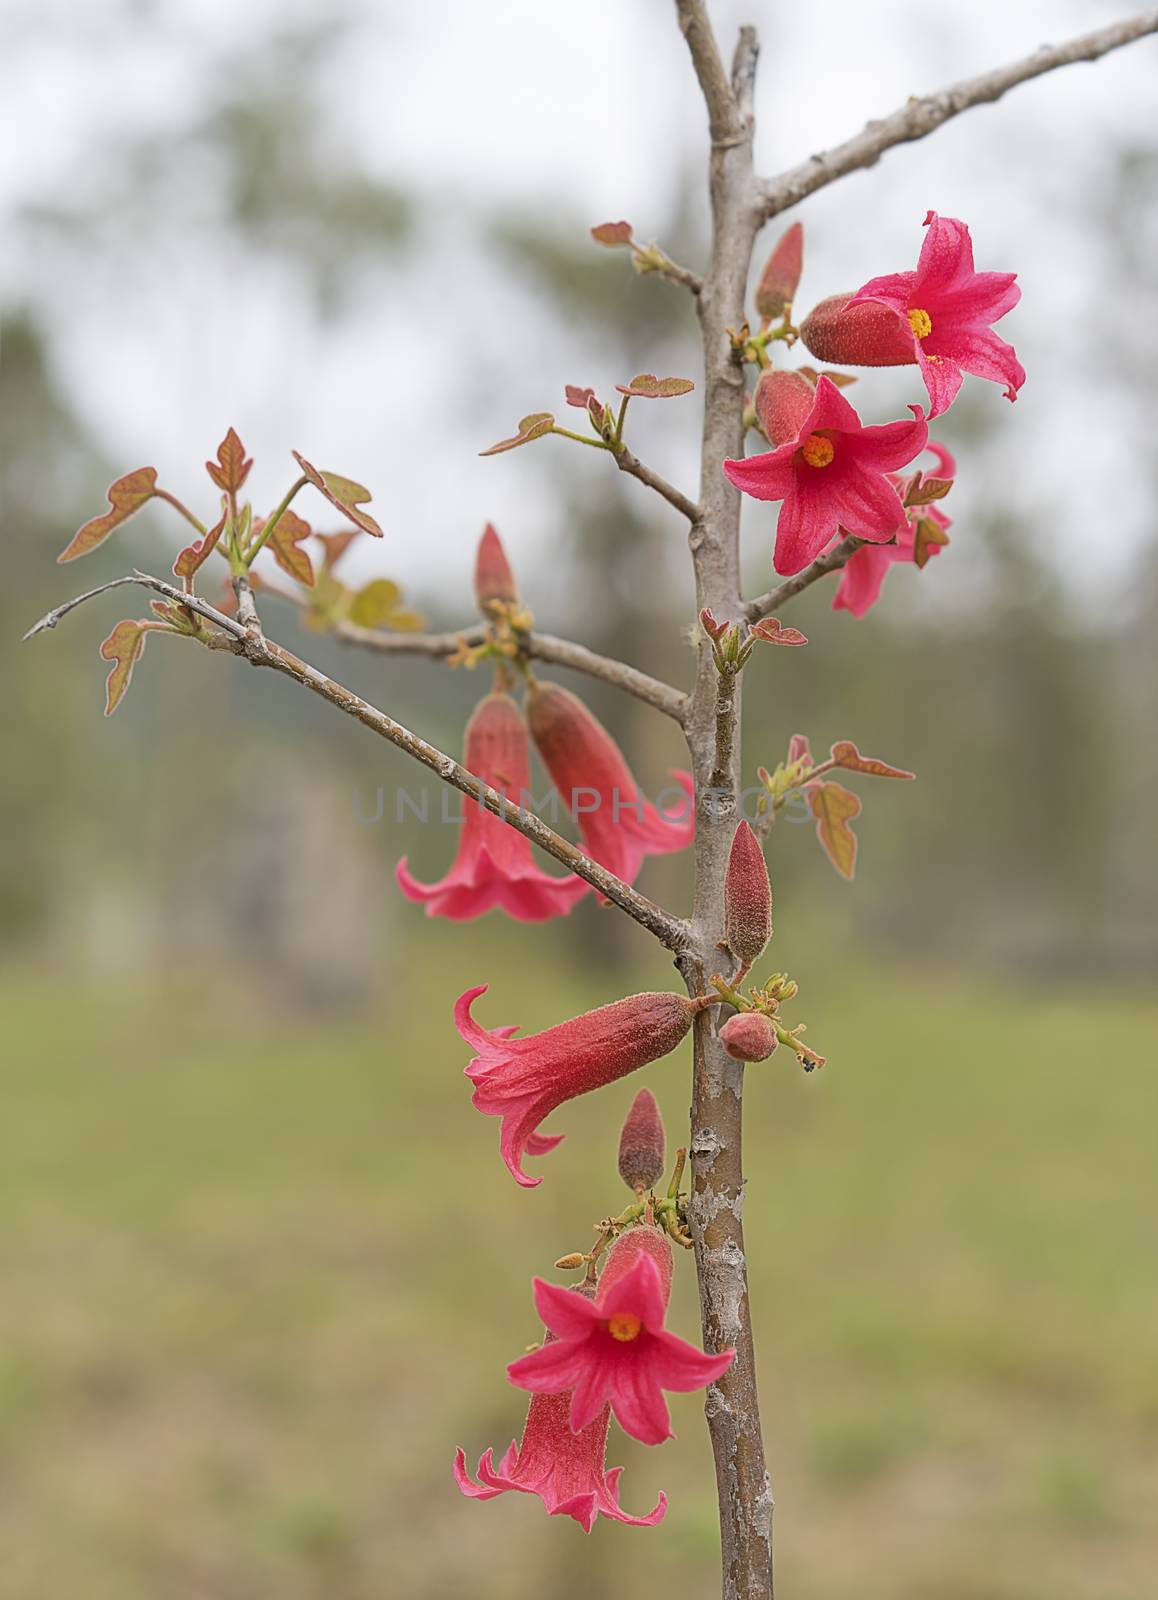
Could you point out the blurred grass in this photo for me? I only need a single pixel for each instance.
(260, 1278)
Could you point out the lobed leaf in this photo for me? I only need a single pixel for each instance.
(285, 546)
(123, 647)
(199, 551)
(576, 396)
(530, 427)
(612, 234)
(773, 632)
(841, 379)
(126, 496)
(929, 537)
(343, 493)
(846, 754)
(922, 491)
(647, 386)
(232, 467)
(834, 808)
(335, 546)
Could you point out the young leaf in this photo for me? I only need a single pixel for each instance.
(834, 807)
(344, 493)
(126, 496)
(335, 546)
(846, 754)
(199, 551)
(231, 468)
(798, 749)
(772, 631)
(123, 647)
(177, 617)
(647, 386)
(531, 427)
(929, 537)
(841, 379)
(612, 234)
(375, 604)
(923, 491)
(284, 543)
(577, 396)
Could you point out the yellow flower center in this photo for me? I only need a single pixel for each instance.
(624, 1326)
(920, 322)
(818, 451)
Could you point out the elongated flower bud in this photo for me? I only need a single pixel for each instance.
(781, 276)
(747, 898)
(864, 335)
(493, 577)
(782, 401)
(749, 1036)
(618, 826)
(641, 1144)
(523, 1080)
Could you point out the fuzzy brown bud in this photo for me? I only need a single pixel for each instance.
(747, 898)
(641, 1144)
(864, 335)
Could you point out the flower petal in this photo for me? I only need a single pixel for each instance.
(553, 1368)
(474, 1490)
(986, 355)
(867, 505)
(830, 409)
(894, 289)
(640, 1291)
(943, 378)
(946, 260)
(890, 446)
(679, 1366)
(637, 1400)
(764, 477)
(567, 1314)
(808, 520)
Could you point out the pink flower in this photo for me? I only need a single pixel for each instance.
(618, 826)
(494, 866)
(950, 310)
(523, 1080)
(615, 1350)
(833, 475)
(565, 1469)
(865, 572)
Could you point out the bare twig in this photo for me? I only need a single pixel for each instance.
(832, 561)
(260, 651)
(674, 273)
(632, 465)
(538, 646)
(715, 1208)
(919, 117)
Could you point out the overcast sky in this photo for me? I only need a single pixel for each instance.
(585, 109)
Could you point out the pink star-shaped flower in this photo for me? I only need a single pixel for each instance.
(833, 475)
(615, 1350)
(950, 310)
(865, 572)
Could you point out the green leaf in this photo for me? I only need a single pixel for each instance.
(375, 604)
(284, 542)
(126, 496)
(834, 807)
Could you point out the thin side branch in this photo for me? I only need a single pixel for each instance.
(260, 651)
(765, 604)
(920, 117)
(674, 273)
(632, 465)
(724, 117)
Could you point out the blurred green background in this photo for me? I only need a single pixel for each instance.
(261, 1265)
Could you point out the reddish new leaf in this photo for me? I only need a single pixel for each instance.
(578, 397)
(922, 491)
(231, 468)
(773, 632)
(126, 496)
(531, 427)
(928, 537)
(285, 545)
(123, 647)
(612, 234)
(798, 749)
(176, 616)
(199, 551)
(336, 545)
(647, 386)
(834, 807)
(344, 493)
(846, 754)
(841, 379)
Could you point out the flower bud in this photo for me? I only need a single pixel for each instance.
(493, 578)
(781, 276)
(782, 402)
(864, 335)
(641, 1144)
(747, 898)
(642, 1240)
(749, 1036)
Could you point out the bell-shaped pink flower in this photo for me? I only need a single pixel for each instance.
(617, 825)
(565, 1469)
(833, 476)
(523, 1080)
(615, 1350)
(949, 310)
(864, 573)
(494, 866)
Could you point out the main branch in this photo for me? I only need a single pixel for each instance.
(919, 117)
(260, 651)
